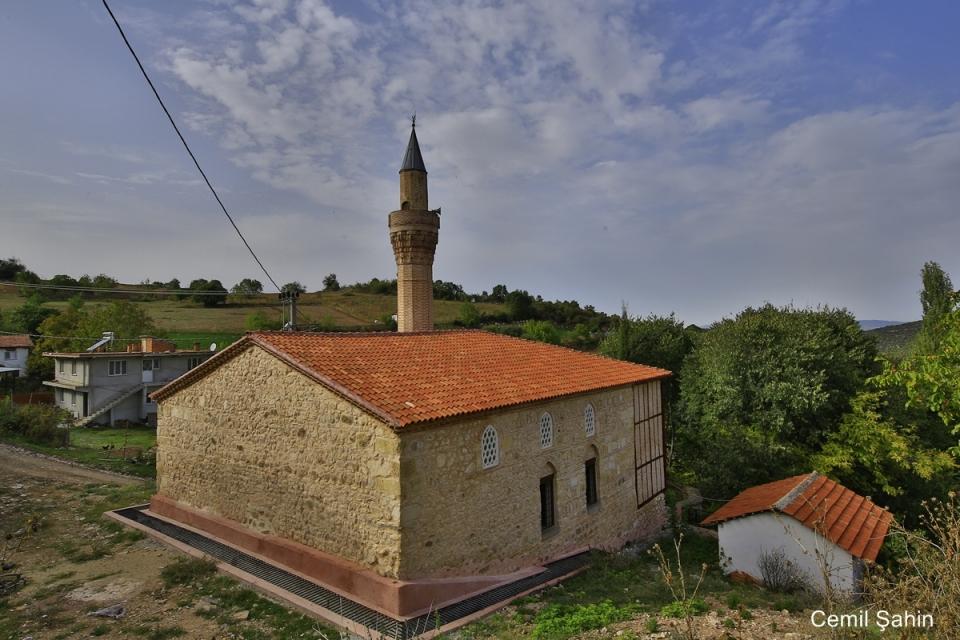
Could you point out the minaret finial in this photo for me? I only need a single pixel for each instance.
(413, 120)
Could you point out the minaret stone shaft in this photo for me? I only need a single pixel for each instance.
(414, 230)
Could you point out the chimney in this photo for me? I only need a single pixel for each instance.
(131, 347)
(196, 346)
(146, 344)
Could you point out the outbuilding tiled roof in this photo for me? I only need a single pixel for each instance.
(408, 378)
(12, 342)
(847, 519)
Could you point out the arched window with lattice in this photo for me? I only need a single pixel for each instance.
(489, 448)
(546, 431)
(589, 420)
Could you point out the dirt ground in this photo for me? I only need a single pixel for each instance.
(76, 562)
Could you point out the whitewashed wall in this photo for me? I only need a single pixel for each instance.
(743, 540)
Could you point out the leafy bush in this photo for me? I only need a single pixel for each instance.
(685, 608)
(561, 621)
(37, 423)
(779, 573)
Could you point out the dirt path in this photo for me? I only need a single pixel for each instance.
(22, 462)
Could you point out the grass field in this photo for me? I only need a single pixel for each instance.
(102, 448)
(339, 308)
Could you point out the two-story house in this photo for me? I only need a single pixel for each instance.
(13, 354)
(101, 387)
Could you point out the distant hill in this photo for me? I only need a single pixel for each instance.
(867, 325)
(894, 340)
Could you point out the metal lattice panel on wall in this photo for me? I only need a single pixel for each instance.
(546, 431)
(489, 448)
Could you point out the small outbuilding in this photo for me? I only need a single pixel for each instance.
(817, 526)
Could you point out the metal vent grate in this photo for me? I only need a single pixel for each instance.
(344, 607)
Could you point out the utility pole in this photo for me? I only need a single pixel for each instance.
(289, 299)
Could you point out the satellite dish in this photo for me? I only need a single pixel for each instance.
(213, 346)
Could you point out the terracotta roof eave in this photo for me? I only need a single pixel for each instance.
(115, 354)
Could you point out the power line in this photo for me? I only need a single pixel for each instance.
(185, 145)
(164, 292)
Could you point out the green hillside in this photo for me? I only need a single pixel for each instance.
(894, 340)
(341, 309)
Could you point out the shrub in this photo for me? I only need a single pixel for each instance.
(685, 608)
(37, 423)
(561, 621)
(779, 573)
(927, 577)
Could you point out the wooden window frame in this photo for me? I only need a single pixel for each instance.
(590, 475)
(548, 503)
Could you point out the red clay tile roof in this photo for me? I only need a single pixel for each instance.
(407, 378)
(847, 519)
(11, 342)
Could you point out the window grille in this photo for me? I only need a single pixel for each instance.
(546, 431)
(589, 420)
(489, 448)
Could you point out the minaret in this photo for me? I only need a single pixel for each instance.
(413, 234)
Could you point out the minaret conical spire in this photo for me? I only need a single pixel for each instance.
(412, 160)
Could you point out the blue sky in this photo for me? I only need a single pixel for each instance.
(695, 157)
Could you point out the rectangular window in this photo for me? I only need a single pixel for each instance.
(118, 368)
(156, 364)
(73, 398)
(590, 468)
(73, 367)
(60, 364)
(8, 355)
(547, 517)
(147, 399)
(194, 362)
(60, 395)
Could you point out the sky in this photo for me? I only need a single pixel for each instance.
(687, 157)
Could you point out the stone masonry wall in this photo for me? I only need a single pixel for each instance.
(461, 519)
(260, 444)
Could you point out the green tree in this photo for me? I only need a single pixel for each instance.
(28, 317)
(469, 315)
(210, 293)
(10, 267)
(761, 392)
(77, 327)
(247, 287)
(937, 299)
(330, 282)
(103, 281)
(541, 331)
(884, 452)
(499, 293)
(659, 341)
(932, 379)
(936, 296)
(520, 305)
(293, 287)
